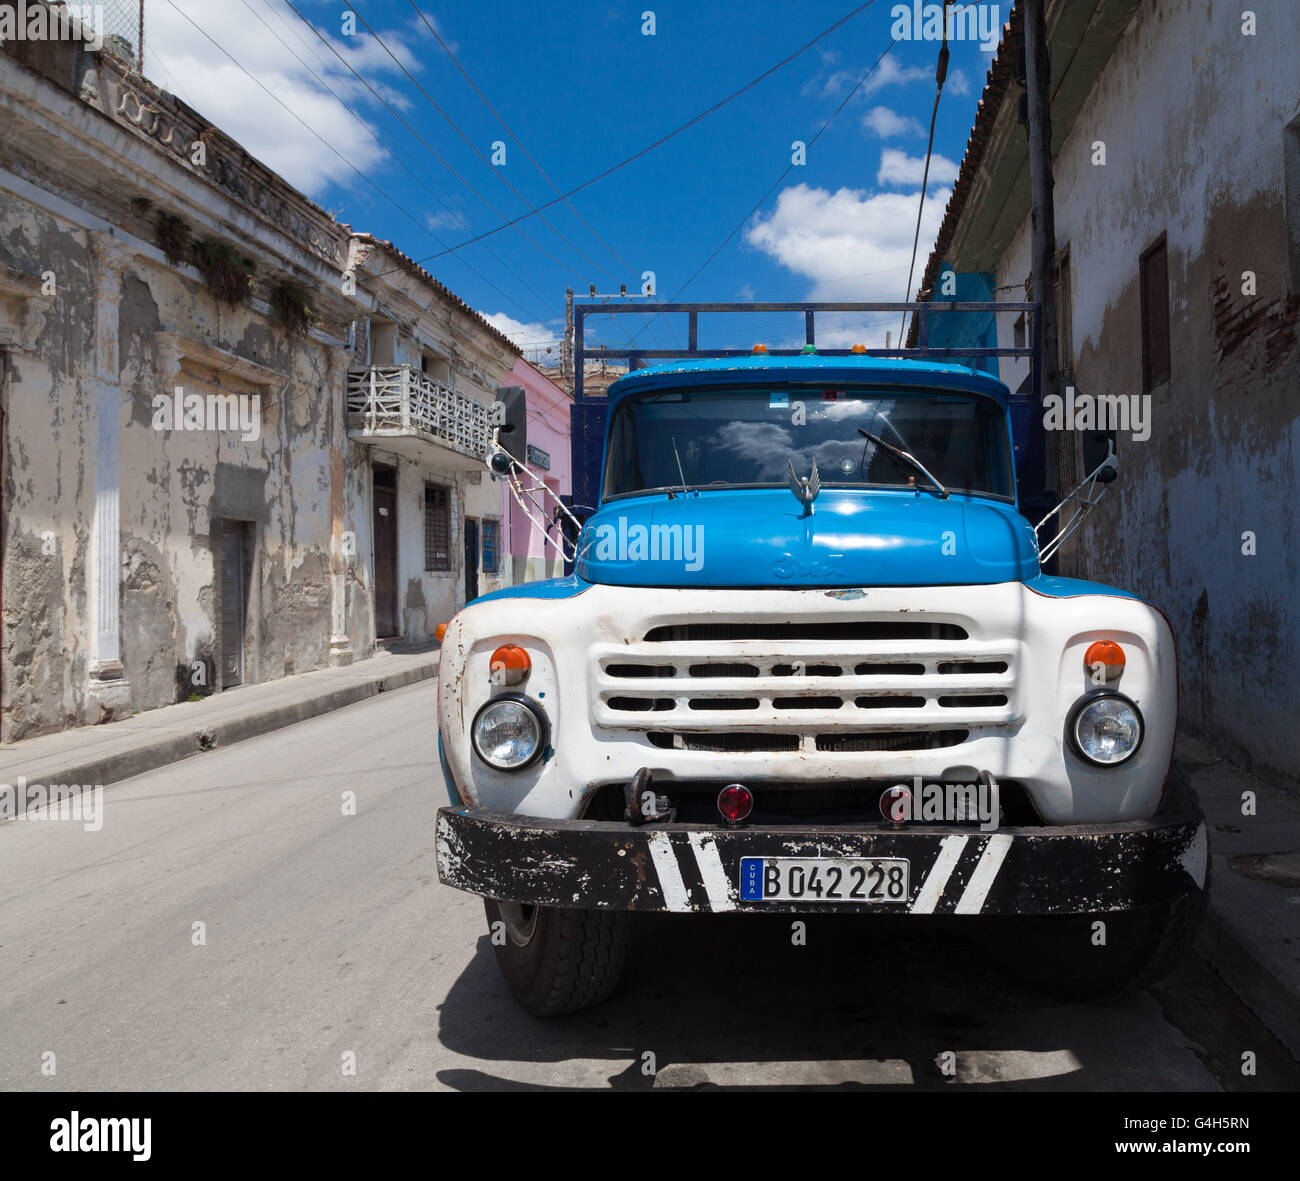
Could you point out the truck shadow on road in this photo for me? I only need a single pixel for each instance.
(733, 1002)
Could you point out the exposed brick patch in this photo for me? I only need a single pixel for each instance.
(1238, 319)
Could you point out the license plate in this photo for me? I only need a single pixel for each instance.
(824, 879)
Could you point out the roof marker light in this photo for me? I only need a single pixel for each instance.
(858, 348)
(809, 350)
(760, 348)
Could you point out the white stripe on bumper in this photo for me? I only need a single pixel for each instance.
(981, 881)
(932, 890)
(676, 896)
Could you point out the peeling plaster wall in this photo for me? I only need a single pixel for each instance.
(1193, 115)
(174, 485)
(48, 490)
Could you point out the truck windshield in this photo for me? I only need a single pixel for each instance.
(747, 438)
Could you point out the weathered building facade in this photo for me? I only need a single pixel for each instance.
(191, 472)
(1176, 145)
(422, 378)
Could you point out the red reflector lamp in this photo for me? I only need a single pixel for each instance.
(896, 805)
(1109, 655)
(510, 665)
(735, 802)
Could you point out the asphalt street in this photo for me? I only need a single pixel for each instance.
(233, 927)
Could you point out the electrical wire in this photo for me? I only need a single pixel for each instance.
(664, 138)
(478, 152)
(781, 179)
(519, 143)
(940, 73)
(400, 208)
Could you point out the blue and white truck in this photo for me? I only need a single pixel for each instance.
(808, 661)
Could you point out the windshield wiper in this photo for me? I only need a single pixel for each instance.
(908, 457)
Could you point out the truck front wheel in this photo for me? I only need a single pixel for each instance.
(556, 960)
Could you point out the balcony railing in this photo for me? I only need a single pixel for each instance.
(401, 404)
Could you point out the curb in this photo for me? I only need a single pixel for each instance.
(1258, 987)
(174, 747)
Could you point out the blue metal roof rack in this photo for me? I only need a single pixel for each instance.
(589, 413)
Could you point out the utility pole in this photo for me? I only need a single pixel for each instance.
(1042, 214)
(566, 353)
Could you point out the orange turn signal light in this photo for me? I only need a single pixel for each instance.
(510, 665)
(439, 632)
(1104, 658)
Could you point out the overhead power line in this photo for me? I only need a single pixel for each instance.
(478, 152)
(519, 144)
(662, 139)
(781, 179)
(396, 205)
(940, 73)
(388, 107)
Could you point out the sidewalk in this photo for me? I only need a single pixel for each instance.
(1251, 932)
(117, 750)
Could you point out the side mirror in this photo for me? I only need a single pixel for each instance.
(512, 415)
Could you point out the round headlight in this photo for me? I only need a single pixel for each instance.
(1106, 729)
(509, 733)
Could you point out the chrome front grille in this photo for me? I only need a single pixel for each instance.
(842, 687)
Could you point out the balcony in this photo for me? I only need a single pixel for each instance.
(409, 413)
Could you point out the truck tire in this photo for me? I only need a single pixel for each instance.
(556, 960)
(1142, 945)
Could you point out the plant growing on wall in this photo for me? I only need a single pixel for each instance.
(174, 237)
(228, 275)
(290, 307)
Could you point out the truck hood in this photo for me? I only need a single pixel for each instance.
(759, 537)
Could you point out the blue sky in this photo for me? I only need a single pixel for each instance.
(582, 87)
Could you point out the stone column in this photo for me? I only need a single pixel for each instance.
(343, 540)
(108, 693)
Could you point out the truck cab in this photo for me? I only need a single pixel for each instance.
(808, 661)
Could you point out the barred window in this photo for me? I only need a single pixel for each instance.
(490, 547)
(437, 528)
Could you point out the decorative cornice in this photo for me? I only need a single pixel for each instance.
(173, 348)
(134, 103)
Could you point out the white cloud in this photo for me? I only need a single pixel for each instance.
(889, 124)
(282, 53)
(959, 82)
(446, 219)
(890, 73)
(898, 168)
(854, 246)
(833, 82)
(534, 337)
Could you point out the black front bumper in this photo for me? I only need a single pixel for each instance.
(608, 865)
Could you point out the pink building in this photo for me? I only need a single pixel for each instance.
(548, 459)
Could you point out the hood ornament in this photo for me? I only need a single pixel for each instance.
(805, 490)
